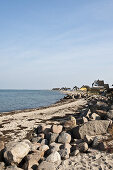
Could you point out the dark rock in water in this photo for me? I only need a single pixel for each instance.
(91, 128)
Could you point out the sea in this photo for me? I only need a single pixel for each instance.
(11, 100)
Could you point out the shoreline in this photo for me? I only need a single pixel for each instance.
(34, 109)
(16, 125)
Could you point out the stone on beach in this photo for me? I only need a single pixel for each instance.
(95, 116)
(13, 167)
(2, 165)
(15, 153)
(70, 123)
(91, 128)
(53, 137)
(1, 150)
(44, 148)
(88, 139)
(110, 114)
(31, 160)
(54, 157)
(82, 147)
(64, 138)
(46, 166)
(57, 128)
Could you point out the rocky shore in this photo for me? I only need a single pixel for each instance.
(73, 134)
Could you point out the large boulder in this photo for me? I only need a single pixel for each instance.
(15, 152)
(91, 128)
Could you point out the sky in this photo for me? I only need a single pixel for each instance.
(55, 43)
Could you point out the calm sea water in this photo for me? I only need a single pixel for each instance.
(25, 99)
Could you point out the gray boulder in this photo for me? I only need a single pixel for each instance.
(64, 138)
(91, 128)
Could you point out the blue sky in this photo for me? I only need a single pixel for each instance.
(55, 43)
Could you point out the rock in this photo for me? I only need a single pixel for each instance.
(15, 152)
(64, 138)
(44, 142)
(35, 146)
(95, 116)
(84, 120)
(54, 157)
(78, 141)
(70, 123)
(102, 106)
(44, 129)
(110, 114)
(66, 146)
(75, 152)
(46, 166)
(64, 153)
(13, 167)
(54, 137)
(54, 147)
(98, 139)
(88, 139)
(82, 147)
(102, 146)
(101, 113)
(91, 128)
(44, 148)
(36, 139)
(41, 135)
(88, 113)
(57, 129)
(1, 150)
(31, 160)
(2, 165)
